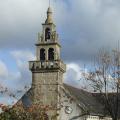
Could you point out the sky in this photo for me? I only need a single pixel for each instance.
(84, 27)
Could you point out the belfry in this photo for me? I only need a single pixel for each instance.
(48, 68)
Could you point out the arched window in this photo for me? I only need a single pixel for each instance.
(42, 54)
(51, 54)
(47, 34)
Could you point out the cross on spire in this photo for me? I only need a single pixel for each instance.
(49, 3)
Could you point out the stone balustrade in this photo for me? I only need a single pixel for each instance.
(37, 65)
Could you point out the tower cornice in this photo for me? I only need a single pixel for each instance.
(48, 44)
(47, 66)
(49, 24)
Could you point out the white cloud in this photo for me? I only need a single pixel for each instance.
(16, 80)
(3, 70)
(22, 58)
(76, 68)
(23, 55)
(73, 75)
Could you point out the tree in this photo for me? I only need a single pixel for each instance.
(104, 79)
(18, 112)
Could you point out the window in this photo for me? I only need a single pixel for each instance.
(51, 54)
(47, 34)
(42, 54)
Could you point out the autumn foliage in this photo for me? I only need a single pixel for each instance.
(18, 112)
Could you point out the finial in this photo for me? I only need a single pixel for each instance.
(49, 3)
(49, 15)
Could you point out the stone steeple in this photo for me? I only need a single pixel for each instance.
(48, 68)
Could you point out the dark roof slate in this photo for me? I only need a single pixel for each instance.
(91, 103)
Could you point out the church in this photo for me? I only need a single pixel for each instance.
(48, 88)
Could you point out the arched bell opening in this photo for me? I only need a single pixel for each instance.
(47, 34)
(51, 54)
(42, 54)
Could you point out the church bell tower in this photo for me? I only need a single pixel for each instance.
(48, 68)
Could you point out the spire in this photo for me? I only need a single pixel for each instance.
(49, 16)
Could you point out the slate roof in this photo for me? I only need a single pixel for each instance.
(90, 102)
(26, 101)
